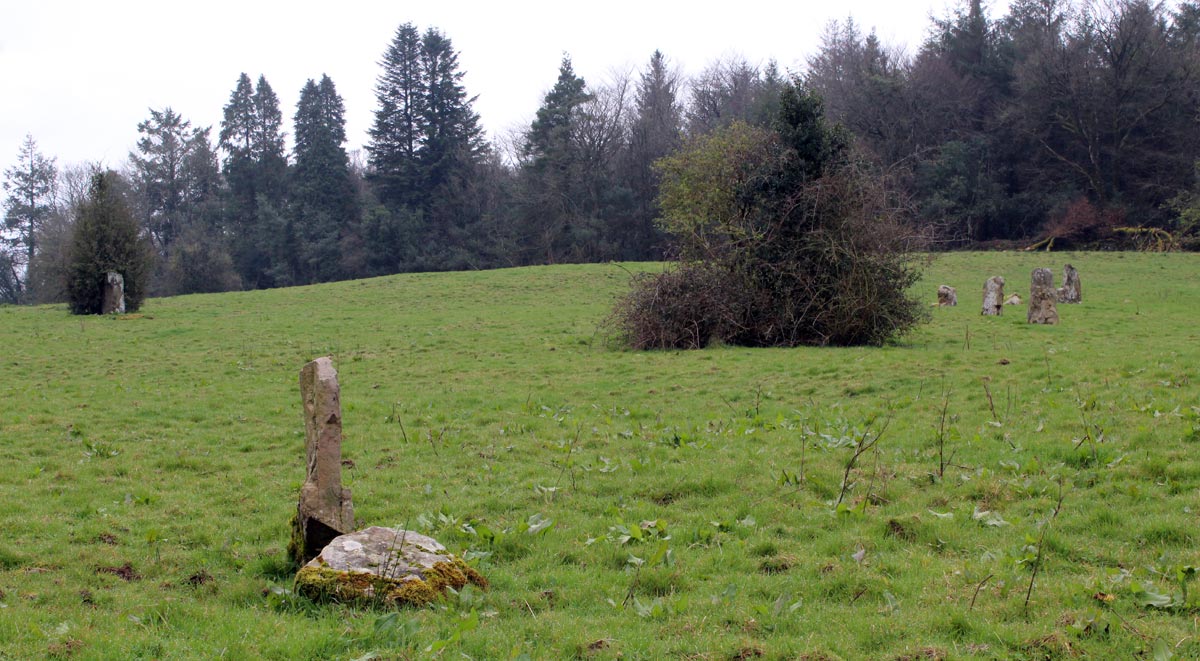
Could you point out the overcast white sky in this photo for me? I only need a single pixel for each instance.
(80, 75)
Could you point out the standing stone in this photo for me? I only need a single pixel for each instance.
(1042, 298)
(325, 510)
(114, 294)
(993, 296)
(1070, 291)
(947, 296)
(1013, 299)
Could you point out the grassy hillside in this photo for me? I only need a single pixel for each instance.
(623, 505)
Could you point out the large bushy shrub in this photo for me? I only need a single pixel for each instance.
(785, 239)
(684, 308)
(106, 238)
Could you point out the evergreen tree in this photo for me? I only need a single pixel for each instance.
(657, 131)
(255, 168)
(550, 133)
(323, 198)
(453, 139)
(107, 238)
(426, 152)
(269, 151)
(553, 188)
(30, 185)
(399, 121)
(452, 148)
(237, 128)
(175, 175)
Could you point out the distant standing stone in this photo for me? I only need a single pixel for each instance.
(1070, 291)
(993, 295)
(114, 294)
(1013, 299)
(947, 296)
(325, 510)
(1042, 298)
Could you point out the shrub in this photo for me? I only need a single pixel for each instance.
(785, 237)
(682, 308)
(1083, 225)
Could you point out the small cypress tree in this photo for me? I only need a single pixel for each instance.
(106, 238)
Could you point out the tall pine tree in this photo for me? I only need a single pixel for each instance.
(255, 168)
(27, 207)
(175, 176)
(399, 121)
(657, 132)
(425, 154)
(323, 201)
(452, 147)
(552, 186)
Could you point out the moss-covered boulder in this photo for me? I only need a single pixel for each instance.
(386, 567)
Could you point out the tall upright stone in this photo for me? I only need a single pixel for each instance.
(1042, 298)
(993, 296)
(947, 296)
(113, 301)
(325, 510)
(1070, 291)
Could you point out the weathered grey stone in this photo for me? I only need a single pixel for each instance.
(1013, 299)
(114, 294)
(384, 566)
(1070, 291)
(993, 294)
(1042, 298)
(947, 296)
(325, 510)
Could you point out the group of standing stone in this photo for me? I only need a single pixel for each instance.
(1043, 297)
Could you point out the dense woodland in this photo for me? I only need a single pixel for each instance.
(1059, 124)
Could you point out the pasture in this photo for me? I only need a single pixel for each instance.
(1025, 492)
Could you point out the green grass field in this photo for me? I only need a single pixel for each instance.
(623, 505)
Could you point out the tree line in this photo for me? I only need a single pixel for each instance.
(1059, 124)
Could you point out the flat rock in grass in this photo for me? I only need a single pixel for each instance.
(947, 296)
(384, 566)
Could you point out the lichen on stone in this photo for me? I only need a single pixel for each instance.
(365, 589)
(384, 567)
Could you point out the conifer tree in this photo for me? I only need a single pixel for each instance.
(426, 152)
(29, 204)
(657, 131)
(106, 238)
(323, 196)
(552, 164)
(175, 175)
(452, 145)
(399, 121)
(255, 168)
(452, 137)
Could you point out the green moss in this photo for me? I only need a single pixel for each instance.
(363, 589)
(473, 577)
(295, 547)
